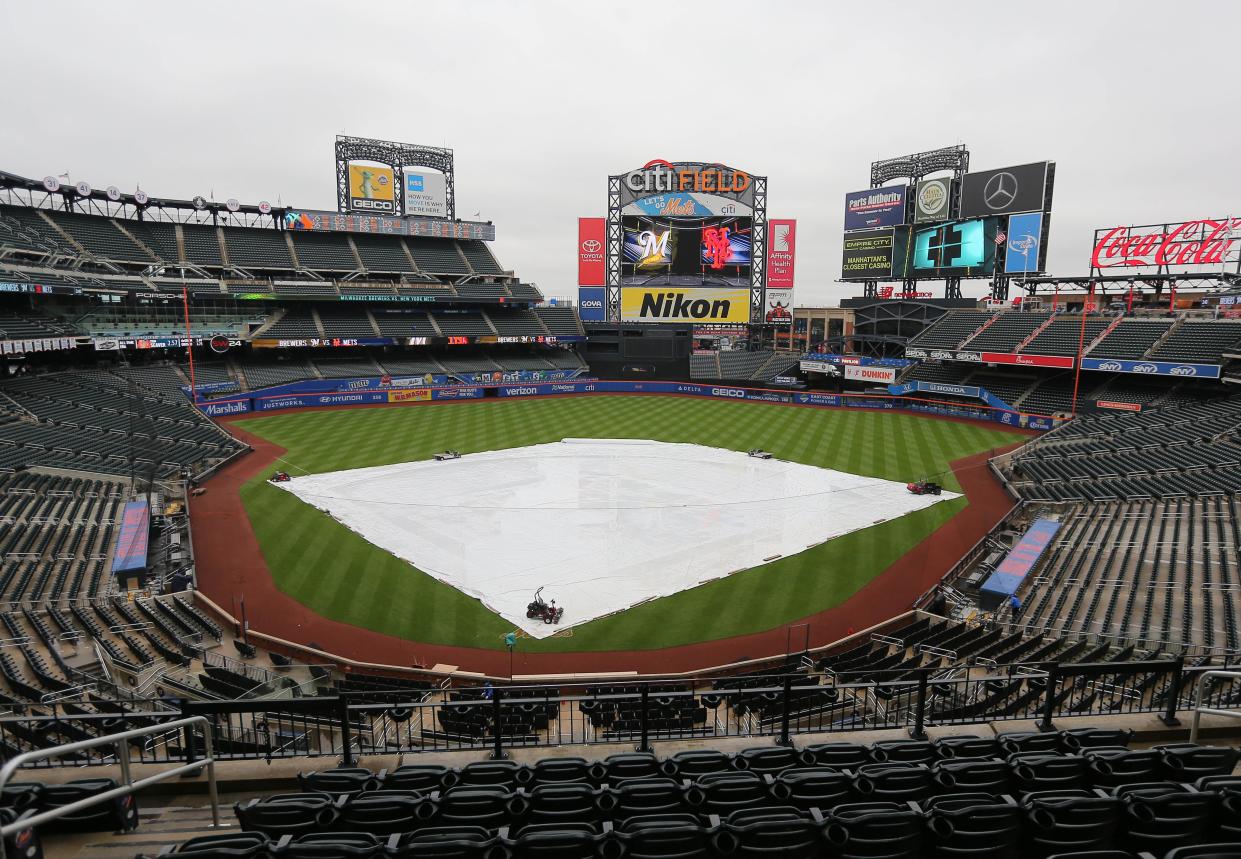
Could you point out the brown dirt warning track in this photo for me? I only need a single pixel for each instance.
(230, 567)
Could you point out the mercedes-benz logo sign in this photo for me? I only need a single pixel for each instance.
(591, 246)
(1000, 191)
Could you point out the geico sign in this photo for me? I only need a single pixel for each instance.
(728, 392)
(372, 205)
(662, 177)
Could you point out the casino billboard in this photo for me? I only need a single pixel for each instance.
(871, 255)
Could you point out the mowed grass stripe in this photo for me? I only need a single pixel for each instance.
(341, 576)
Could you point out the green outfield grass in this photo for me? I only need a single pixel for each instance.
(341, 576)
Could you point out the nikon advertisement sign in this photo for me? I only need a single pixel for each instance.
(670, 304)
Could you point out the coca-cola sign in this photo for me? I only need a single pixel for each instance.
(1208, 243)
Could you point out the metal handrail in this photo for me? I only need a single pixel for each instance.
(129, 787)
(1198, 708)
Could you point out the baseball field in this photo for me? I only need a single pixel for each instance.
(339, 575)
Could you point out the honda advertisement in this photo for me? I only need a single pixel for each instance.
(876, 207)
(781, 253)
(590, 267)
(592, 303)
(1005, 191)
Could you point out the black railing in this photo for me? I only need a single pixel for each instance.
(351, 725)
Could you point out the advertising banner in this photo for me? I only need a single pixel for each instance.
(919, 386)
(1017, 564)
(864, 360)
(269, 404)
(591, 234)
(1023, 248)
(931, 200)
(592, 303)
(1153, 368)
(875, 207)
(1004, 191)
(816, 399)
(371, 189)
(132, 539)
(658, 180)
(426, 192)
(778, 307)
(1113, 405)
(671, 304)
(1213, 243)
(457, 394)
(220, 408)
(314, 220)
(781, 253)
(878, 375)
(409, 395)
(1062, 362)
(868, 255)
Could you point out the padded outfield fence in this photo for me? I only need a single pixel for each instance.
(263, 401)
(777, 706)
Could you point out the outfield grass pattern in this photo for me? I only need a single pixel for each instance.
(337, 574)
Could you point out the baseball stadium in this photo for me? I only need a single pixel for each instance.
(330, 514)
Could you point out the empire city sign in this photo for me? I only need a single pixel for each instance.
(1188, 244)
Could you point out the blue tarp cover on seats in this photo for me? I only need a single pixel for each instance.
(131, 543)
(1017, 564)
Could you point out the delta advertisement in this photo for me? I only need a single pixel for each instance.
(875, 207)
(591, 270)
(696, 304)
(1153, 368)
(781, 253)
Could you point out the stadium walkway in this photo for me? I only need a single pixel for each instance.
(230, 564)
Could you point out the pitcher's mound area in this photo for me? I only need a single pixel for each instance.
(601, 525)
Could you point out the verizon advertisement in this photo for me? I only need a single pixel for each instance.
(590, 268)
(781, 253)
(877, 375)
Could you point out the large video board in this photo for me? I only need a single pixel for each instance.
(954, 249)
(683, 251)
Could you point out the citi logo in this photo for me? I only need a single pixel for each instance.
(728, 392)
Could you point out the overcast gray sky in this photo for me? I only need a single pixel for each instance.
(1137, 102)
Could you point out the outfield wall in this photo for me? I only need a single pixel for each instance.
(267, 401)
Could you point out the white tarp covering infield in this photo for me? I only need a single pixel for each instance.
(601, 524)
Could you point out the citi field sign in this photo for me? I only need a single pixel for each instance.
(658, 177)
